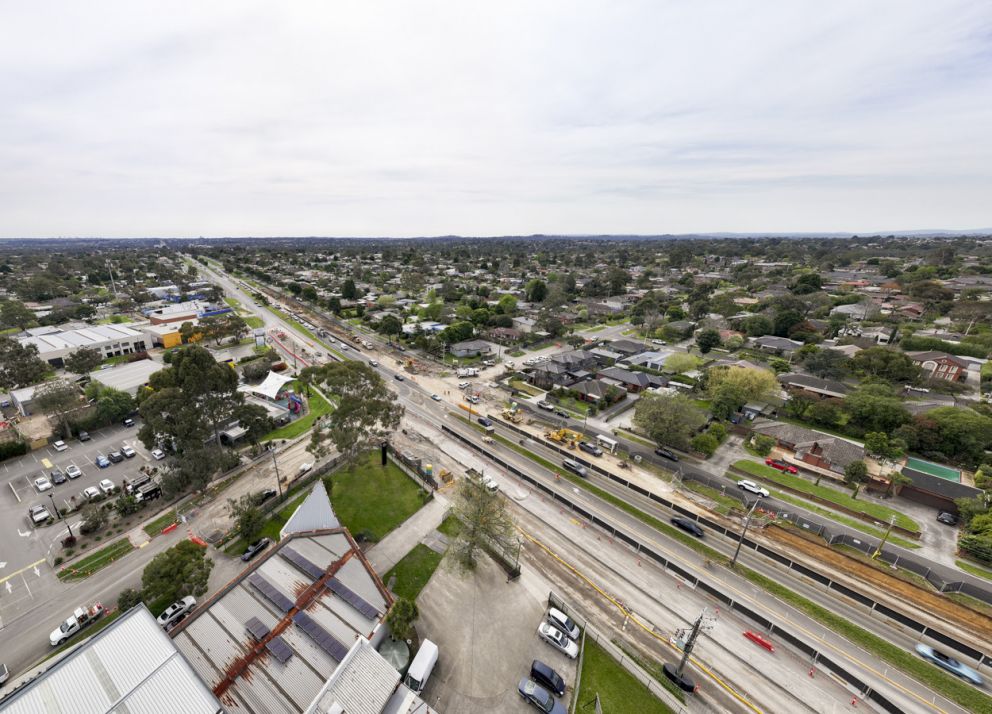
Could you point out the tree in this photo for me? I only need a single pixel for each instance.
(57, 398)
(758, 325)
(458, 332)
(390, 325)
(730, 388)
(964, 434)
(112, 405)
(128, 598)
(807, 283)
(874, 407)
(536, 290)
(883, 363)
(83, 361)
(348, 290)
(182, 570)
(255, 419)
(705, 444)
(969, 508)
(507, 304)
(401, 617)
(824, 413)
(668, 419)
(20, 365)
(367, 412)
(855, 472)
(93, 518)
(785, 320)
(14, 314)
(126, 504)
(827, 364)
(681, 362)
(248, 517)
(485, 524)
(707, 339)
(187, 331)
(763, 444)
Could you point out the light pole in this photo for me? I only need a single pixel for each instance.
(59, 514)
(878, 550)
(740, 541)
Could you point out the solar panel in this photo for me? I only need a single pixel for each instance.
(353, 598)
(279, 649)
(268, 590)
(257, 628)
(301, 562)
(324, 639)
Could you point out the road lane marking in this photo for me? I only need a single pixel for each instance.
(18, 572)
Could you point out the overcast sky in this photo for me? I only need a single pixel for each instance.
(428, 118)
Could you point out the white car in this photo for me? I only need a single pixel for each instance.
(563, 622)
(107, 486)
(59, 446)
(489, 483)
(73, 471)
(464, 385)
(128, 452)
(176, 610)
(373, 363)
(435, 398)
(306, 466)
(91, 492)
(42, 484)
(557, 639)
(753, 488)
(158, 454)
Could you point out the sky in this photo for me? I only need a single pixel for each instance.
(423, 118)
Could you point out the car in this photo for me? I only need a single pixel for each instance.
(949, 663)
(546, 406)
(398, 377)
(659, 342)
(42, 484)
(563, 622)
(115, 457)
(91, 492)
(753, 488)
(435, 397)
(781, 466)
(557, 639)
(73, 471)
(255, 548)
(107, 486)
(263, 496)
(688, 526)
(472, 399)
(84, 436)
(158, 454)
(102, 461)
(547, 678)
(128, 452)
(57, 476)
(305, 467)
(39, 514)
(464, 385)
(175, 611)
(401, 348)
(947, 518)
(484, 421)
(373, 363)
(590, 448)
(128, 421)
(489, 483)
(562, 413)
(666, 453)
(60, 446)
(539, 697)
(575, 468)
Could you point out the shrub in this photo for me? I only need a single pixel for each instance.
(763, 444)
(705, 444)
(58, 560)
(12, 448)
(718, 431)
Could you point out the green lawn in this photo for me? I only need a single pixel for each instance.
(254, 322)
(723, 503)
(163, 521)
(522, 386)
(874, 510)
(450, 526)
(974, 569)
(272, 526)
(575, 406)
(318, 408)
(846, 520)
(619, 692)
(413, 572)
(96, 560)
(232, 302)
(372, 500)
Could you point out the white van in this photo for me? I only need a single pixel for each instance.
(421, 667)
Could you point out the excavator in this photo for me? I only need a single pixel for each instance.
(564, 436)
(512, 414)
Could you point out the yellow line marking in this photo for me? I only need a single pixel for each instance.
(18, 572)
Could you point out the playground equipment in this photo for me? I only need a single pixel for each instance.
(295, 403)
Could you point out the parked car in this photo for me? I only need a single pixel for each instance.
(57, 476)
(546, 406)
(472, 399)
(128, 421)
(688, 526)
(563, 622)
(263, 496)
(42, 484)
(158, 454)
(84, 436)
(666, 453)
(107, 486)
(575, 467)
(255, 548)
(464, 385)
(590, 448)
(91, 492)
(949, 663)
(781, 466)
(557, 639)
(435, 397)
(539, 697)
(305, 467)
(60, 446)
(115, 456)
(73, 471)
(176, 610)
(39, 514)
(947, 518)
(128, 452)
(547, 677)
(563, 413)
(102, 461)
(373, 363)
(753, 488)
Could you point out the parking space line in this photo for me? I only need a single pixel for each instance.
(11, 484)
(18, 572)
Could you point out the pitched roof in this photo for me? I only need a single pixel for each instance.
(836, 450)
(814, 384)
(315, 513)
(937, 355)
(627, 376)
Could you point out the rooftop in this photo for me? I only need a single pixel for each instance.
(127, 377)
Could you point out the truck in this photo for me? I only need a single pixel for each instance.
(467, 372)
(81, 618)
(421, 667)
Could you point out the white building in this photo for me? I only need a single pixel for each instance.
(108, 340)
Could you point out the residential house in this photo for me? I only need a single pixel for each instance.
(471, 348)
(524, 324)
(651, 359)
(818, 452)
(777, 345)
(606, 358)
(504, 335)
(940, 365)
(633, 382)
(626, 347)
(810, 386)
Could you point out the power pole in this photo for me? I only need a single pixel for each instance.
(878, 550)
(740, 541)
(275, 463)
(677, 674)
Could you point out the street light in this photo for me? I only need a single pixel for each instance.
(59, 514)
(740, 541)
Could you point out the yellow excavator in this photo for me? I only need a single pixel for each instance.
(512, 414)
(564, 436)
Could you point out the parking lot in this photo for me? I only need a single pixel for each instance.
(486, 633)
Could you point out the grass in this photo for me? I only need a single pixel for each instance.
(162, 522)
(254, 322)
(575, 406)
(874, 510)
(963, 694)
(96, 561)
(846, 520)
(655, 669)
(272, 526)
(631, 436)
(972, 602)
(522, 386)
(318, 408)
(619, 691)
(974, 569)
(413, 571)
(724, 503)
(232, 302)
(370, 499)
(516, 353)
(594, 328)
(450, 526)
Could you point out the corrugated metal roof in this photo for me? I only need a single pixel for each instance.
(363, 684)
(315, 513)
(131, 666)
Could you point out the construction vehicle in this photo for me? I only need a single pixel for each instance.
(513, 415)
(564, 436)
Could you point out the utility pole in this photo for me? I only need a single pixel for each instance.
(275, 463)
(878, 550)
(740, 541)
(676, 674)
(59, 514)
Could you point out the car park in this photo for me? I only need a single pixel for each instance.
(947, 518)
(128, 452)
(107, 486)
(102, 461)
(176, 610)
(563, 622)
(949, 663)
(91, 492)
(158, 454)
(39, 514)
(60, 446)
(547, 678)
(666, 453)
(115, 457)
(781, 466)
(539, 697)
(590, 448)
(688, 526)
(557, 639)
(255, 548)
(57, 477)
(42, 484)
(73, 471)
(754, 488)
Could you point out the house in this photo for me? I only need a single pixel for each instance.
(818, 452)
(940, 365)
(633, 382)
(524, 324)
(651, 360)
(777, 345)
(606, 358)
(470, 348)
(128, 377)
(811, 386)
(550, 374)
(626, 347)
(591, 390)
(504, 335)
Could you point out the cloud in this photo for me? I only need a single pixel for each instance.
(392, 118)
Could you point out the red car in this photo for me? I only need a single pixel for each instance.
(782, 466)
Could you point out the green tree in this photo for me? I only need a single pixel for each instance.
(83, 361)
(187, 331)
(883, 363)
(965, 434)
(730, 388)
(827, 364)
(248, 517)
(485, 524)
(183, 569)
(874, 407)
(390, 325)
(126, 504)
(20, 365)
(536, 290)
(968, 508)
(681, 362)
(855, 472)
(807, 283)
(707, 339)
(94, 518)
(458, 332)
(57, 399)
(668, 419)
(763, 444)
(824, 413)
(705, 444)
(14, 314)
(255, 419)
(128, 598)
(113, 405)
(758, 325)
(507, 304)
(401, 617)
(348, 290)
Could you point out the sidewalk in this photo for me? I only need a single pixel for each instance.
(391, 549)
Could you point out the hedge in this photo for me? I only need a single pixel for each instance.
(12, 448)
(913, 344)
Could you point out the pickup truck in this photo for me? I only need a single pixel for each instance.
(81, 618)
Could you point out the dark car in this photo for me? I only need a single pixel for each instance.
(562, 413)
(539, 697)
(84, 436)
(547, 677)
(255, 548)
(263, 496)
(57, 476)
(688, 526)
(398, 377)
(128, 421)
(666, 454)
(485, 422)
(115, 456)
(947, 518)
